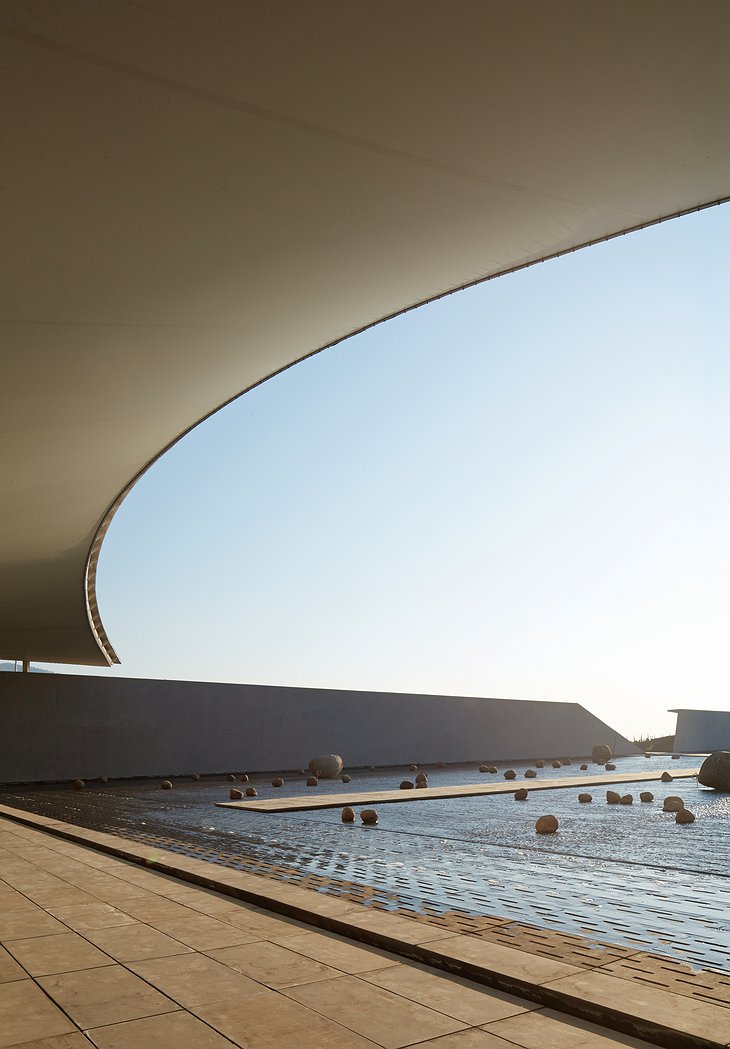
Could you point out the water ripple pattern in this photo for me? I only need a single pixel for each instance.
(623, 874)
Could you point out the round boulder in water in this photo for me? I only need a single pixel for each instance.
(166, 785)
(346, 778)
(369, 817)
(406, 784)
(540, 764)
(646, 795)
(530, 774)
(666, 778)
(613, 798)
(610, 767)
(326, 766)
(715, 771)
(557, 764)
(250, 792)
(547, 825)
(673, 804)
(684, 816)
(278, 782)
(348, 815)
(78, 784)
(510, 774)
(235, 794)
(521, 794)
(585, 798)
(627, 799)
(601, 753)
(312, 781)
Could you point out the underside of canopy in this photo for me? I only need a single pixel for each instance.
(198, 195)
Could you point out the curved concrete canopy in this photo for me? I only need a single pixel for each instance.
(199, 194)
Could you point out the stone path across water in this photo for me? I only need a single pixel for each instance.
(467, 790)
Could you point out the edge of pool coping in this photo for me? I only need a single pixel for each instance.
(291, 901)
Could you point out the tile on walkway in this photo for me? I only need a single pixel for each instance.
(131, 943)
(195, 979)
(474, 1038)
(96, 997)
(272, 965)
(154, 909)
(336, 952)
(10, 971)
(377, 1014)
(545, 1029)
(91, 916)
(270, 1021)
(16, 925)
(61, 1041)
(61, 953)
(171, 1031)
(26, 1014)
(451, 995)
(202, 932)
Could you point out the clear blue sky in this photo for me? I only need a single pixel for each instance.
(520, 491)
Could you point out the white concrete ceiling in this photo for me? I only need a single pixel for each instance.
(198, 194)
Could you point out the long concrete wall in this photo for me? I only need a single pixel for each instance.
(57, 727)
(702, 731)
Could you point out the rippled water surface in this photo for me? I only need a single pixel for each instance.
(624, 874)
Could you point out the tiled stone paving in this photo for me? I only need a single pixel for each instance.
(98, 951)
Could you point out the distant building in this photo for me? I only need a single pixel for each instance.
(702, 731)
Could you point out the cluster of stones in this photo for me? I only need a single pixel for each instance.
(419, 783)
(368, 816)
(613, 798)
(671, 803)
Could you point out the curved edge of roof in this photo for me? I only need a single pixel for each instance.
(92, 608)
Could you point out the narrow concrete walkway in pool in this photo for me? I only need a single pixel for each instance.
(97, 950)
(467, 790)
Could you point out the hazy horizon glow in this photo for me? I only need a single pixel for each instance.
(517, 491)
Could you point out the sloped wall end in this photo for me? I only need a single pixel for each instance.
(58, 727)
